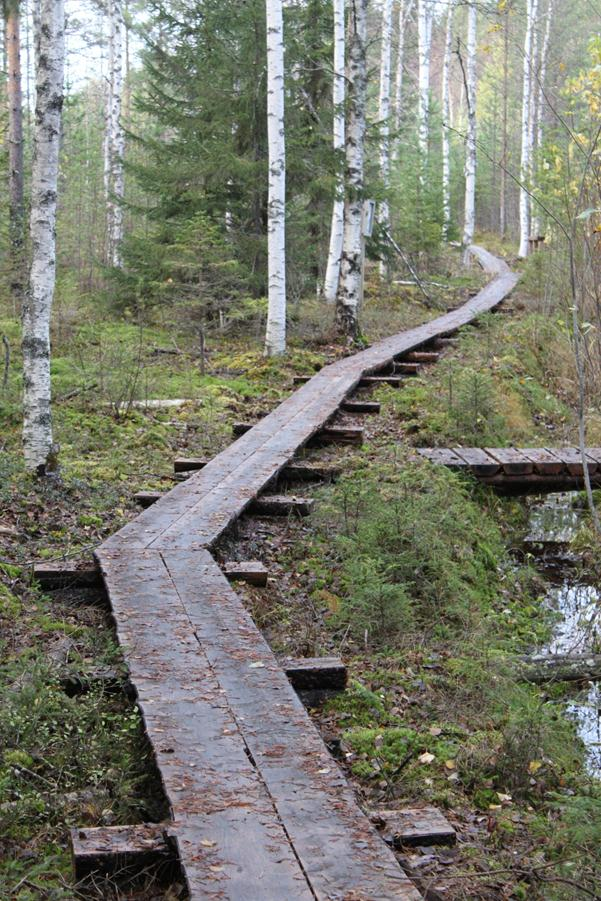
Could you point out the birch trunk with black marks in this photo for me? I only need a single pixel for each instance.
(384, 117)
(37, 419)
(275, 337)
(526, 154)
(536, 227)
(338, 99)
(114, 148)
(446, 117)
(424, 34)
(469, 221)
(348, 298)
(15, 144)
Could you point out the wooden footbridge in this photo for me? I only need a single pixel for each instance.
(260, 811)
(530, 470)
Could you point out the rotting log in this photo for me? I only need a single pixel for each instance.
(309, 472)
(123, 852)
(407, 368)
(560, 668)
(422, 356)
(316, 673)
(252, 571)
(281, 505)
(376, 381)
(65, 574)
(413, 826)
(360, 406)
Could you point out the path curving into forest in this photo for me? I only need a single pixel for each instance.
(260, 810)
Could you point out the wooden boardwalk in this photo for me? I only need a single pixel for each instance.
(260, 810)
(527, 470)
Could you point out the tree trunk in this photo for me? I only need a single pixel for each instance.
(526, 155)
(424, 33)
(348, 298)
(15, 144)
(405, 10)
(338, 99)
(37, 419)
(384, 117)
(540, 105)
(115, 137)
(469, 224)
(505, 142)
(446, 116)
(275, 338)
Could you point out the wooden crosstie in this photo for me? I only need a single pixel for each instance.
(260, 810)
(526, 470)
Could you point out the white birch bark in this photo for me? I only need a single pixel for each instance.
(424, 34)
(275, 337)
(446, 121)
(37, 418)
(469, 222)
(384, 117)
(526, 154)
(540, 105)
(114, 136)
(338, 100)
(348, 298)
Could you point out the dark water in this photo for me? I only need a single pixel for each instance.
(576, 605)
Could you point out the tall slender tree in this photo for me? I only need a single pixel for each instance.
(275, 337)
(446, 122)
(527, 131)
(348, 298)
(469, 221)
(424, 36)
(540, 106)
(384, 117)
(405, 10)
(338, 99)
(114, 144)
(37, 305)
(12, 16)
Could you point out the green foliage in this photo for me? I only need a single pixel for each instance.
(414, 547)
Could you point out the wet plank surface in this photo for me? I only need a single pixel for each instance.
(259, 808)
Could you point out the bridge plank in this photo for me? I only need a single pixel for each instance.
(572, 459)
(545, 462)
(479, 461)
(442, 456)
(512, 460)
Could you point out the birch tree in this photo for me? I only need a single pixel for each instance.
(424, 35)
(446, 121)
(37, 418)
(384, 116)
(348, 298)
(540, 105)
(405, 10)
(526, 154)
(114, 145)
(469, 222)
(275, 337)
(14, 94)
(338, 98)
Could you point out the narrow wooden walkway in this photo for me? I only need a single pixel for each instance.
(529, 470)
(260, 809)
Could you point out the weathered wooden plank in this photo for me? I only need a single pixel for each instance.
(335, 843)
(545, 462)
(480, 462)
(594, 453)
(376, 381)
(310, 472)
(360, 406)
(189, 464)
(422, 356)
(338, 434)
(230, 838)
(572, 459)
(512, 460)
(121, 852)
(252, 571)
(443, 456)
(407, 368)
(66, 574)
(414, 826)
(147, 498)
(316, 673)
(281, 505)
(241, 428)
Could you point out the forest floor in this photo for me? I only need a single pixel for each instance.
(417, 577)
